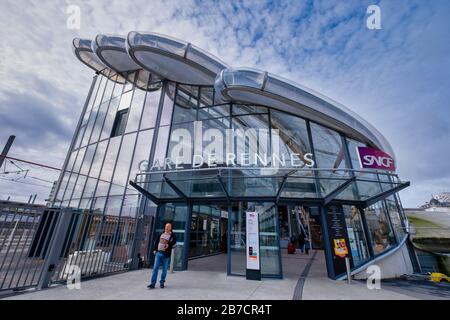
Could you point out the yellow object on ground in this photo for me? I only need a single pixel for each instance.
(439, 277)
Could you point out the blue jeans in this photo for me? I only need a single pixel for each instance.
(160, 258)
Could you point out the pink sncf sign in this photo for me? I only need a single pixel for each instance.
(370, 158)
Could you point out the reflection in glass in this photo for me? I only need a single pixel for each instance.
(378, 224)
(120, 181)
(177, 215)
(356, 236)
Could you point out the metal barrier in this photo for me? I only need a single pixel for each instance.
(25, 234)
(40, 246)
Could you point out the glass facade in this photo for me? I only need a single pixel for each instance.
(125, 131)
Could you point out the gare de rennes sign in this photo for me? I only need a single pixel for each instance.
(198, 148)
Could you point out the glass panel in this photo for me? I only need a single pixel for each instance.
(108, 91)
(166, 116)
(141, 155)
(395, 217)
(199, 184)
(328, 149)
(134, 116)
(102, 188)
(176, 214)
(237, 239)
(268, 238)
(109, 121)
(352, 145)
(110, 159)
(120, 123)
(356, 236)
(161, 145)
(78, 190)
(98, 159)
(88, 159)
(131, 205)
(125, 100)
(301, 185)
(80, 157)
(69, 190)
(207, 96)
(99, 122)
(150, 109)
(113, 205)
(120, 182)
(205, 233)
(254, 186)
(251, 137)
(184, 114)
(89, 188)
(378, 224)
(293, 134)
(90, 125)
(329, 153)
(248, 109)
(214, 112)
(181, 144)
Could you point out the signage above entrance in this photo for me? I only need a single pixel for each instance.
(370, 158)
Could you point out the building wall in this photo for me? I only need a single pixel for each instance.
(121, 135)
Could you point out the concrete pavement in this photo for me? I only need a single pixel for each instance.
(207, 279)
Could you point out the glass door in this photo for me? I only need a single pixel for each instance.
(269, 241)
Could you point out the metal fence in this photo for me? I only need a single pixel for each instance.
(40, 246)
(22, 244)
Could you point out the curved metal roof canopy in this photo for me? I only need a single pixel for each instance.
(259, 87)
(161, 57)
(83, 50)
(173, 59)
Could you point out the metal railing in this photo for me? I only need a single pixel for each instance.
(40, 245)
(24, 240)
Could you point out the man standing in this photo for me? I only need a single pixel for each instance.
(162, 252)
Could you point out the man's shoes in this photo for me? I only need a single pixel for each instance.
(161, 285)
(151, 286)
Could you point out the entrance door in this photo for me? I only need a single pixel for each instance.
(304, 223)
(270, 258)
(208, 225)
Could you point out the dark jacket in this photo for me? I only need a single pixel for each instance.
(171, 244)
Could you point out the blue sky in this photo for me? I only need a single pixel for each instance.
(397, 78)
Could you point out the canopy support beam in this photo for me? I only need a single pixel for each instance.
(333, 194)
(144, 192)
(176, 189)
(385, 194)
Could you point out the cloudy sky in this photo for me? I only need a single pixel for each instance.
(397, 78)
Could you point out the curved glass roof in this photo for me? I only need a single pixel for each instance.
(111, 50)
(173, 59)
(83, 50)
(161, 57)
(260, 87)
(108, 54)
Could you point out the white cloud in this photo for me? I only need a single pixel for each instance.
(396, 78)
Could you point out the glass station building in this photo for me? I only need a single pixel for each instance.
(171, 132)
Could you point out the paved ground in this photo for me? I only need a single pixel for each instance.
(207, 279)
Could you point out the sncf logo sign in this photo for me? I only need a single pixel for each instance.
(370, 158)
